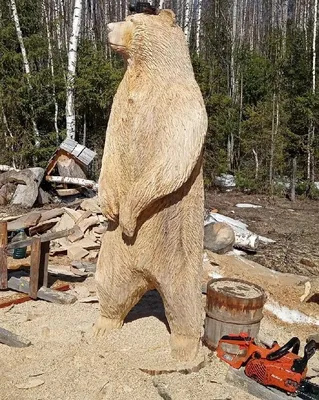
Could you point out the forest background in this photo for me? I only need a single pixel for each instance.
(255, 61)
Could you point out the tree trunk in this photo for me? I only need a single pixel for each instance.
(26, 66)
(51, 64)
(256, 164)
(198, 25)
(84, 130)
(274, 130)
(293, 180)
(5, 122)
(72, 59)
(188, 19)
(314, 59)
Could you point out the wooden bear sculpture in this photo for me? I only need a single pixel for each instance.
(151, 184)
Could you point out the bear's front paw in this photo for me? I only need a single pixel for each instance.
(127, 223)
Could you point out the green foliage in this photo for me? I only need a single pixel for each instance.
(272, 69)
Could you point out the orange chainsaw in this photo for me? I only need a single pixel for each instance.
(275, 366)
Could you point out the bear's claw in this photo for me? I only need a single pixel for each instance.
(105, 325)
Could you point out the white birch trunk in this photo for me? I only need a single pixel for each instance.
(51, 65)
(232, 55)
(161, 4)
(25, 65)
(314, 59)
(256, 164)
(198, 25)
(187, 20)
(72, 59)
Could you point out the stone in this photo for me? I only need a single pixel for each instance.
(43, 197)
(26, 195)
(219, 237)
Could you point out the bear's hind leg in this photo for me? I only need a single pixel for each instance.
(116, 301)
(119, 286)
(183, 309)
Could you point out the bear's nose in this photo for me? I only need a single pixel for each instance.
(110, 27)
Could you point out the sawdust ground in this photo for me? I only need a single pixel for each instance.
(71, 364)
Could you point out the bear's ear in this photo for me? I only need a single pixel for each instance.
(168, 16)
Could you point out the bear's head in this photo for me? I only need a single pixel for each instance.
(147, 37)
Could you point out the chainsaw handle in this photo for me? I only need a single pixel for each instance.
(293, 343)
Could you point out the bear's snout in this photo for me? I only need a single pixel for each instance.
(110, 27)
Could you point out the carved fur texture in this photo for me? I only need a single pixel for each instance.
(151, 184)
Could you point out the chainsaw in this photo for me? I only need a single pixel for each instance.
(273, 366)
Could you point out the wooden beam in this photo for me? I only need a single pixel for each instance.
(48, 294)
(44, 238)
(44, 263)
(13, 340)
(3, 256)
(35, 267)
(68, 192)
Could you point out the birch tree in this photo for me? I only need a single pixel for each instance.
(72, 59)
(51, 65)
(26, 66)
(314, 59)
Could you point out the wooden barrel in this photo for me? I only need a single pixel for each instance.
(232, 306)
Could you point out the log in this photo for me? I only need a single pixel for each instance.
(68, 192)
(35, 267)
(67, 166)
(7, 168)
(44, 293)
(13, 340)
(244, 239)
(26, 195)
(74, 181)
(3, 256)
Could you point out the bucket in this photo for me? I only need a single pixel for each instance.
(232, 306)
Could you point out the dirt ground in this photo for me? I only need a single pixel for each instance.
(66, 362)
(294, 226)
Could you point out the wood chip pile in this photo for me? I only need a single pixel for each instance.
(86, 220)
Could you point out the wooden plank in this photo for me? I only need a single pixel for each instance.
(13, 340)
(11, 217)
(68, 192)
(44, 238)
(27, 220)
(43, 226)
(44, 262)
(50, 214)
(68, 145)
(35, 267)
(237, 378)
(77, 150)
(47, 294)
(86, 156)
(3, 256)
(18, 298)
